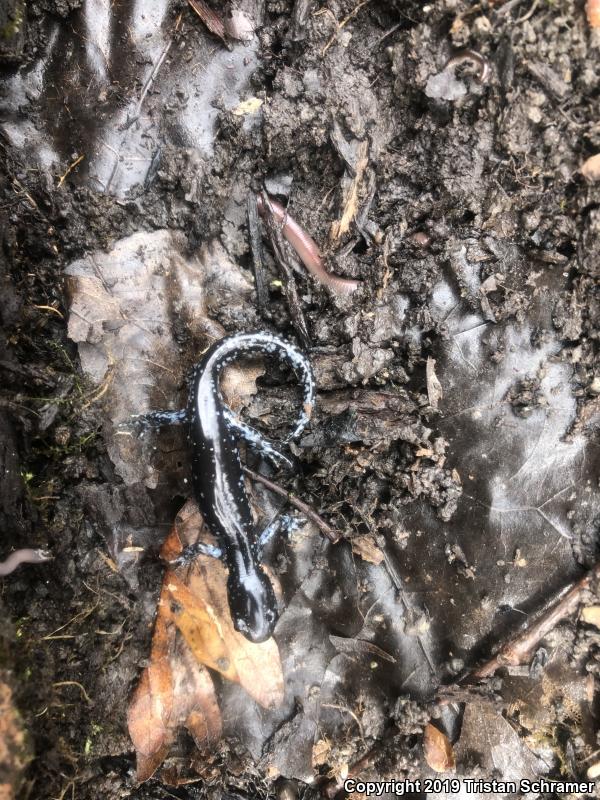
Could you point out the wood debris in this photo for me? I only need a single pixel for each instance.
(213, 21)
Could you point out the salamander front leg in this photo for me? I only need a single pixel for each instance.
(256, 440)
(192, 551)
(155, 419)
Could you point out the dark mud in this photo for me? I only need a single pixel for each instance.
(476, 241)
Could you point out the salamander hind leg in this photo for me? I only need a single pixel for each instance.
(285, 525)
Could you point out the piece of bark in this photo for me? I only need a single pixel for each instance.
(300, 16)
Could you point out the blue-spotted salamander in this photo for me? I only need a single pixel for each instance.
(218, 479)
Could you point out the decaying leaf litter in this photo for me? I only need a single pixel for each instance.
(473, 234)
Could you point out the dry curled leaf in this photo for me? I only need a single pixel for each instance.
(196, 597)
(193, 631)
(174, 691)
(366, 547)
(438, 750)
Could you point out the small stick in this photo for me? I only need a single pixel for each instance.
(519, 649)
(331, 787)
(70, 168)
(333, 535)
(258, 261)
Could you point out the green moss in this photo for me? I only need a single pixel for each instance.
(13, 27)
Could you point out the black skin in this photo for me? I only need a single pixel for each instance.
(218, 482)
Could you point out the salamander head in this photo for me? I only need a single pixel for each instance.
(252, 604)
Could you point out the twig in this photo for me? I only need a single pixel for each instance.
(258, 261)
(349, 711)
(342, 24)
(519, 649)
(388, 33)
(332, 787)
(79, 686)
(333, 535)
(280, 252)
(50, 308)
(69, 170)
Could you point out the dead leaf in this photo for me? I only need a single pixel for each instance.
(121, 316)
(438, 750)
(367, 549)
(193, 631)
(498, 746)
(197, 602)
(591, 615)
(151, 706)
(210, 18)
(174, 691)
(198, 623)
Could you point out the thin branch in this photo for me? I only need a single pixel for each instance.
(520, 648)
(333, 535)
(258, 260)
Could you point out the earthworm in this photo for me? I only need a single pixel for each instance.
(468, 56)
(26, 555)
(306, 248)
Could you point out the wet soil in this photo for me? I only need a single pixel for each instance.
(476, 242)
